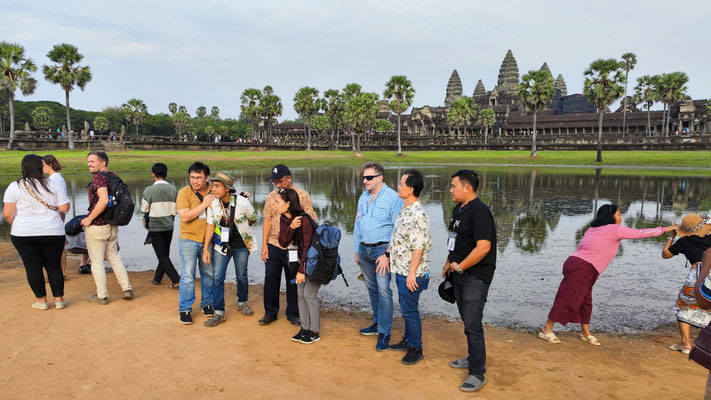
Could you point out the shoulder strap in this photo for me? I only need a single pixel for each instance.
(37, 197)
(232, 214)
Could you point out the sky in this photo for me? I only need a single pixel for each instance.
(206, 53)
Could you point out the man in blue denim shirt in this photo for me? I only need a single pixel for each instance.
(378, 208)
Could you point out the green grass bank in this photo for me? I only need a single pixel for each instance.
(696, 163)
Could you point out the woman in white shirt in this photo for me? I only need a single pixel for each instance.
(51, 167)
(32, 207)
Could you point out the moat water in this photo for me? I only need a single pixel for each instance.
(541, 214)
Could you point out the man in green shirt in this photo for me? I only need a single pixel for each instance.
(159, 203)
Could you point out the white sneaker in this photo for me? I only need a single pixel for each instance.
(40, 306)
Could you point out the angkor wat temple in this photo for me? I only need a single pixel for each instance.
(568, 115)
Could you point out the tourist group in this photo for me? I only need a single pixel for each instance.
(392, 240)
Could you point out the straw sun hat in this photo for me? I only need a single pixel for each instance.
(693, 224)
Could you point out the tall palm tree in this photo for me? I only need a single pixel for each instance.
(672, 89)
(361, 112)
(457, 114)
(351, 91)
(400, 92)
(487, 117)
(200, 112)
(173, 108)
(67, 73)
(646, 92)
(269, 107)
(333, 106)
(629, 60)
(215, 112)
(250, 106)
(15, 72)
(306, 104)
(135, 112)
(536, 92)
(603, 86)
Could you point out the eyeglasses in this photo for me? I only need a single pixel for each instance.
(371, 177)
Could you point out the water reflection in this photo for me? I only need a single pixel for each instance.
(540, 213)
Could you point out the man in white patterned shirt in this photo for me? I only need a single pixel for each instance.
(408, 258)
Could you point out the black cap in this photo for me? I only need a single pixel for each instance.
(279, 171)
(446, 290)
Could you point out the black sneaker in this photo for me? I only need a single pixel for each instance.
(298, 336)
(310, 337)
(208, 311)
(413, 356)
(186, 318)
(402, 346)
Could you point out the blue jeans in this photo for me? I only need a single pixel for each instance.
(381, 295)
(191, 254)
(409, 307)
(471, 293)
(219, 263)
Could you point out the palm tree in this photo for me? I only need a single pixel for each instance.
(173, 108)
(269, 107)
(457, 114)
(629, 60)
(306, 104)
(134, 111)
(180, 121)
(646, 92)
(15, 71)
(209, 132)
(215, 112)
(602, 87)
(67, 72)
(487, 119)
(250, 106)
(672, 89)
(360, 114)
(400, 92)
(201, 112)
(351, 91)
(536, 92)
(333, 106)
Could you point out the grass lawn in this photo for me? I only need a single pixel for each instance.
(141, 160)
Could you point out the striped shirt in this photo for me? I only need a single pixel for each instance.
(159, 203)
(375, 219)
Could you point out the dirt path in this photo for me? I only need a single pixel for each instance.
(138, 349)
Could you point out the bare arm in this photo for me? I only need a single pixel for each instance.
(209, 229)
(63, 207)
(101, 204)
(8, 212)
(187, 215)
(665, 252)
(478, 253)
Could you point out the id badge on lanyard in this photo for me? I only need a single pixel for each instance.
(451, 240)
(225, 234)
(293, 254)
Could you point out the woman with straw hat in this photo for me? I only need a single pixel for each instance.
(694, 238)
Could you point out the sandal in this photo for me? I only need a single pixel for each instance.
(590, 339)
(676, 347)
(175, 286)
(549, 337)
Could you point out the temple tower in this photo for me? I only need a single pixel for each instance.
(454, 89)
(508, 75)
(479, 91)
(559, 84)
(544, 67)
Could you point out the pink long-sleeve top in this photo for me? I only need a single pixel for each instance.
(599, 245)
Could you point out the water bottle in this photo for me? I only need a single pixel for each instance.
(111, 201)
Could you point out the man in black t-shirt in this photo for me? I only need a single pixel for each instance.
(472, 261)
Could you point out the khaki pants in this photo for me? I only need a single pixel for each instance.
(102, 243)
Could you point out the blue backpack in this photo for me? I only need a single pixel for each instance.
(323, 264)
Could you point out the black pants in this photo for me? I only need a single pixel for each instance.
(161, 245)
(471, 293)
(39, 252)
(279, 260)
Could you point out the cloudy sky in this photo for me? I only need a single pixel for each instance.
(207, 53)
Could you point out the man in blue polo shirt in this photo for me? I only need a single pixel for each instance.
(378, 209)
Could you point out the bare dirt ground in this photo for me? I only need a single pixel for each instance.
(138, 349)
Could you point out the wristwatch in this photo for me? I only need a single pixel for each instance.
(458, 269)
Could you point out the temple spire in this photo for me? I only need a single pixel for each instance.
(559, 84)
(454, 89)
(508, 74)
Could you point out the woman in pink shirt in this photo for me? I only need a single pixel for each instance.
(573, 302)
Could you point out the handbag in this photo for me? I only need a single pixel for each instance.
(37, 197)
(701, 353)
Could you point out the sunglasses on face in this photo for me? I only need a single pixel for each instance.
(371, 177)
